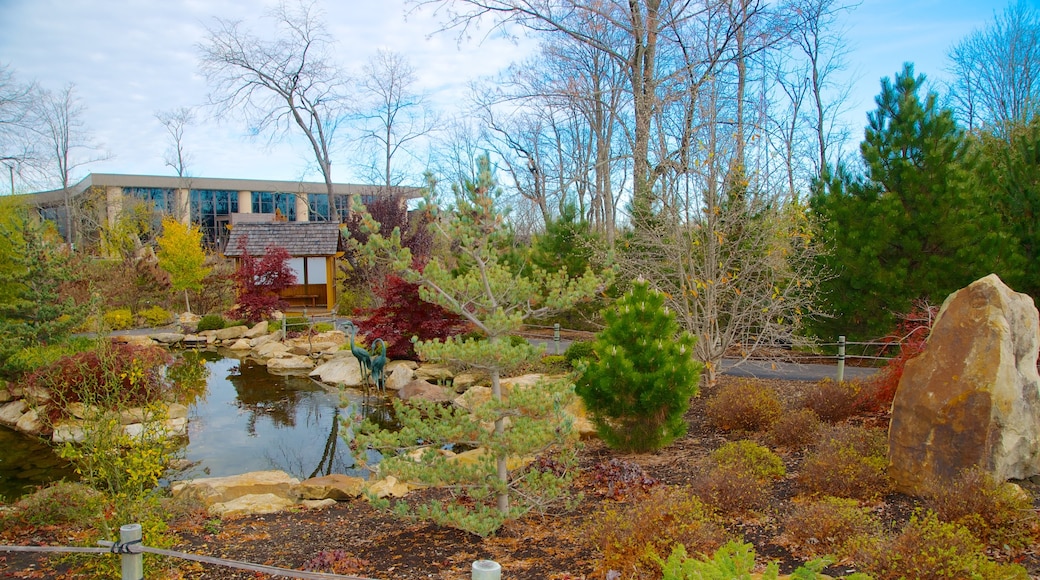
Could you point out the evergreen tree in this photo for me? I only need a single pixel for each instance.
(473, 283)
(912, 227)
(181, 256)
(639, 386)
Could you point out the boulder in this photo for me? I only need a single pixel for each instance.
(521, 381)
(400, 376)
(342, 370)
(11, 412)
(36, 395)
(303, 347)
(290, 363)
(6, 394)
(262, 340)
(70, 432)
(389, 487)
(420, 389)
(241, 344)
(30, 423)
(252, 504)
(317, 504)
(133, 339)
(463, 381)
(972, 397)
(176, 411)
(335, 486)
(212, 490)
(259, 330)
(188, 321)
(167, 338)
(434, 373)
(392, 365)
(231, 332)
(271, 350)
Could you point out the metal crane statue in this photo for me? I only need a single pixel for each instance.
(372, 367)
(379, 364)
(363, 357)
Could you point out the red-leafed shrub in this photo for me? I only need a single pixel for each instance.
(259, 281)
(404, 315)
(120, 375)
(911, 334)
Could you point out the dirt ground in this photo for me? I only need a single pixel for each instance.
(374, 544)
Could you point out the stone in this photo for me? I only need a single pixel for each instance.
(302, 347)
(343, 370)
(196, 339)
(6, 394)
(11, 412)
(463, 381)
(133, 339)
(392, 365)
(37, 395)
(972, 397)
(69, 432)
(212, 490)
(167, 338)
(420, 389)
(397, 378)
(176, 411)
(81, 411)
(317, 504)
(252, 504)
(259, 330)
(133, 415)
(290, 363)
(241, 344)
(389, 487)
(434, 373)
(336, 486)
(522, 381)
(30, 423)
(262, 340)
(474, 457)
(231, 332)
(271, 350)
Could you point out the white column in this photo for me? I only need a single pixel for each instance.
(113, 204)
(245, 202)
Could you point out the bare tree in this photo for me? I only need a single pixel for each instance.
(71, 145)
(17, 151)
(175, 121)
(280, 83)
(395, 114)
(997, 71)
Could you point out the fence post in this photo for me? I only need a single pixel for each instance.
(133, 564)
(556, 338)
(486, 570)
(841, 358)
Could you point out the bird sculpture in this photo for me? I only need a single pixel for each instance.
(363, 357)
(379, 364)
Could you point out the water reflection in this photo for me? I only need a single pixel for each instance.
(251, 420)
(27, 463)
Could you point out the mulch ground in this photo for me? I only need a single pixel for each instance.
(363, 541)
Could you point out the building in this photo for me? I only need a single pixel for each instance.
(211, 203)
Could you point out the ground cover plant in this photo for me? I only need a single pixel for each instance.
(624, 497)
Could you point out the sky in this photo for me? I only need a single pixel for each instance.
(130, 59)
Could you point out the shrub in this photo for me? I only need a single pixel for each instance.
(617, 479)
(828, 525)
(928, 549)
(795, 429)
(911, 335)
(119, 319)
(155, 316)
(731, 491)
(997, 513)
(404, 314)
(211, 322)
(848, 461)
(555, 363)
(751, 458)
(63, 503)
(31, 358)
(745, 405)
(323, 327)
(579, 350)
(258, 282)
(635, 538)
(640, 387)
(833, 401)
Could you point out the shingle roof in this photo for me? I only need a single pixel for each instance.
(298, 238)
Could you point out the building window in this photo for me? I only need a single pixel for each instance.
(161, 199)
(268, 202)
(211, 209)
(318, 207)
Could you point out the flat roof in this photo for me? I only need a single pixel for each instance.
(218, 183)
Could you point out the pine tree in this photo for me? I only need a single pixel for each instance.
(639, 387)
(473, 283)
(181, 256)
(912, 227)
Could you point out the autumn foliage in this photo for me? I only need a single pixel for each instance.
(404, 315)
(258, 282)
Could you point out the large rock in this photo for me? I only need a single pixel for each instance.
(397, 378)
(231, 332)
(271, 350)
(434, 373)
(335, 486)
(212, 490)
(342, 370)
(168, 338)
(290, 363)
(262, 340)
(420, 389)
(972, 398)
(259, 330)
(263, 503)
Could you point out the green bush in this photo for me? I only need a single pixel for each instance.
(750, 457)
(323, 327)
(119, 319)
(639, 388)
(155, 316)
(31, 358)
(579, 350)
(745, 405)
(211, 322)
(930, 549)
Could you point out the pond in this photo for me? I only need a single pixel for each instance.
(247, 420)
